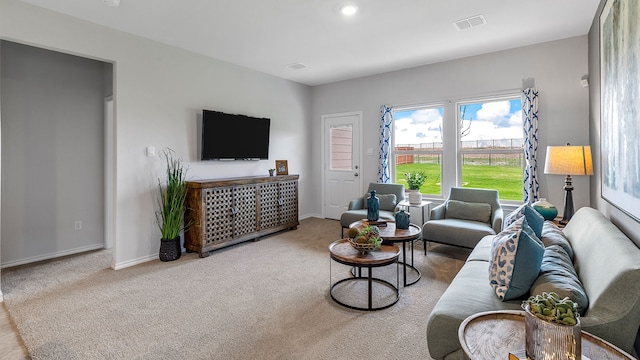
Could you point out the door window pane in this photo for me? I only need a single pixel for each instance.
(341, 148)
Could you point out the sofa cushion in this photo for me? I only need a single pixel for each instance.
(387, 201)
(552, 235)
(464, 297)
(515, 262)
(536, 221)
(468, 211)
(558, 275)
(457, 232)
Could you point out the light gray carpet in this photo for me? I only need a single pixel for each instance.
(258, 300)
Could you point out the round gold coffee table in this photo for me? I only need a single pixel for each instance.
(342, 252)
(390, 234)
(494, 334)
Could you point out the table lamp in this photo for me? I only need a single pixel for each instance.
(568, 160)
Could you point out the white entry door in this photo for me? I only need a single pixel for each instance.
(341, 159)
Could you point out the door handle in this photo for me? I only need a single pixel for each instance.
(355, 174)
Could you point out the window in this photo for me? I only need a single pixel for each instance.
(417, 145)
(491, 145)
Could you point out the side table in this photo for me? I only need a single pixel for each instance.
(407, 205)
(424, 203)
(494, 334)
(342, 252)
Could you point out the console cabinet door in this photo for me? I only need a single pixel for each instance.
(245, 220)
(218, 215)
(269, 208)
(288, 201)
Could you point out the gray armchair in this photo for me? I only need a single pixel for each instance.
(357, 209)
(464, 218)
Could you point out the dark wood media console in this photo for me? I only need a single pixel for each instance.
(224, 212)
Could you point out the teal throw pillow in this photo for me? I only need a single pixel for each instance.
(533, 217)
(515, 262)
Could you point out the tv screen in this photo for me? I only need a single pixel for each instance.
(233, 136)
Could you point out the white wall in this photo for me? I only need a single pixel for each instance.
(52, 130)
(555, 67)
(159, 91)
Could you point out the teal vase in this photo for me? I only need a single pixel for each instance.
(402, 220)
(545, 208)
(373, 207)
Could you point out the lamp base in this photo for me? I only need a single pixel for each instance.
(568, 201)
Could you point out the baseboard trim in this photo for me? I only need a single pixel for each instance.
(52, 255)
(129, 263)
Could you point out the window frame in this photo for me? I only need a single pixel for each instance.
(460, 151)
(394, 152)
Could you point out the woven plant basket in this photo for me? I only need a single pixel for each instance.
(170, 249)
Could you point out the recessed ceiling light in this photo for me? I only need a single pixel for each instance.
(349, 10)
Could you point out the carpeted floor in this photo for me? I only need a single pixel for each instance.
(258, 300)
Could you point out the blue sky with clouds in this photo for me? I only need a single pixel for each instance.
(488, 120)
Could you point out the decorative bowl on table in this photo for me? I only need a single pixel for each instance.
(365, 239)
(364, 248)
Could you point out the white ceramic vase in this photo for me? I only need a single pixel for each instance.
(415, 197)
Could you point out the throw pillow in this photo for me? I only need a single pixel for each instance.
(533, 217)
(387, 201)
(468, 211)
(515, 263)
(558, 275)
(552, 235)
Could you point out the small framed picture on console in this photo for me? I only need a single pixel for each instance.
(282, 168)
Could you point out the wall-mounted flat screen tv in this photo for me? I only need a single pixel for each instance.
(234, 137)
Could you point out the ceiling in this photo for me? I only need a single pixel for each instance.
(384, 35)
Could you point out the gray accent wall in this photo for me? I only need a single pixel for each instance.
(555, 68)
(52, 153)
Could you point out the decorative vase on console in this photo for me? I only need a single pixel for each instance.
(373, 207)
(545, 208)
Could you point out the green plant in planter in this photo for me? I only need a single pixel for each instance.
(415, 180)
(170, 216)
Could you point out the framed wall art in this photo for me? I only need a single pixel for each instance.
(620, 104)
(282, 168)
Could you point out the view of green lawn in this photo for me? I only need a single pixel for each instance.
(506, 179)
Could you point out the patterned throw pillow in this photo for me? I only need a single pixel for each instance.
(515, 262)
(533, 217)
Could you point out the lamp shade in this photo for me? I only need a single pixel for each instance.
(568, 160)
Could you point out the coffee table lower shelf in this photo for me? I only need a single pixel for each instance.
(342, 252)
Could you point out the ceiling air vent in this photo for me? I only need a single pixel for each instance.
(296, 66)
(470, 22)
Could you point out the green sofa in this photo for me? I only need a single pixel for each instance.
(605, 260)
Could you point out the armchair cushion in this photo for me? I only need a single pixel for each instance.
(387, 201)
(463, 219)
(456, 209)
